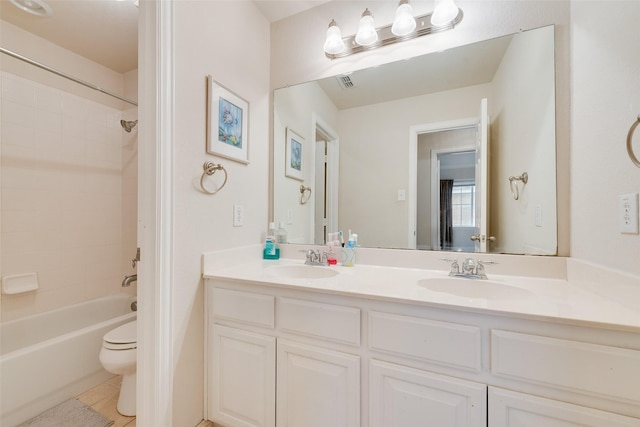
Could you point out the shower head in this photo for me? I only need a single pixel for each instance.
(128, 125)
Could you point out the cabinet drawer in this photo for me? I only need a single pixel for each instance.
(247, 307)
(587, 368)
(443, 343)
(327, 321)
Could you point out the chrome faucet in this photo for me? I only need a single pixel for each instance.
(128, 279)
(316, 257)
(471, 269)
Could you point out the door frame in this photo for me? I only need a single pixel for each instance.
(318, 124)
(414, 132)
(155, 360)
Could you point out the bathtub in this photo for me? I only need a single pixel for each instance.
(50, 357)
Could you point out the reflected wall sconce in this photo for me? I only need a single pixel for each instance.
(445, 16)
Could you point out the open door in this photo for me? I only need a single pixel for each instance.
(482, 179)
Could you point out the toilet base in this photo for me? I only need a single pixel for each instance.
(127, 400)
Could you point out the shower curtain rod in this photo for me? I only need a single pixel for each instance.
(65, 75)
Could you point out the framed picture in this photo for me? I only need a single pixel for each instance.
(293, 157)
(227, 123)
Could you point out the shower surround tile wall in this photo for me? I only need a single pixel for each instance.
(61, 195)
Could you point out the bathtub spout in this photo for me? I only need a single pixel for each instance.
(128, 279)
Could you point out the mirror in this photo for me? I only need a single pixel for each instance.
(394, 152)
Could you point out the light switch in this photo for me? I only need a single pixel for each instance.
(628, 213)
(238, 215)
(538, 216)
(402, 195)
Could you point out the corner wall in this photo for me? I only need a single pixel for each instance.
(605, 93)
(230, 41)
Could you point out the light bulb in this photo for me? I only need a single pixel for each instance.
(404, 22)
(333, 44)
(444, 12)
(366, 34)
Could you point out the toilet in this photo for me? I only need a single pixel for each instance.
(118, 356)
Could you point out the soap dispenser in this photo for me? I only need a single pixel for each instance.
(271, 251)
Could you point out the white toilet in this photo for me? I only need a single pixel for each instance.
(118, 356)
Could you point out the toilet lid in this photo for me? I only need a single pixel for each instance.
(124, 334)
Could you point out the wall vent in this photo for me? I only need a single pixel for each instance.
(346, 81)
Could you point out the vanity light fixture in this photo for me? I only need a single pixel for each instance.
(334, 43)
(404, 22)
(444, 12)
(367, 34)
(446, 16)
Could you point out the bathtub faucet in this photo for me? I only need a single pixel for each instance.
(128, 279)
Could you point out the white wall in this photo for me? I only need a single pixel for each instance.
(295, 109)
(230, 41)
(522, 119)
(65, 215)
(605, 92)
(297, 56)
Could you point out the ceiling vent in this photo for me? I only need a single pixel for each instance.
(346, 81)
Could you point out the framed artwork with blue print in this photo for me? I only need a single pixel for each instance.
(227, 123)
(294, 156)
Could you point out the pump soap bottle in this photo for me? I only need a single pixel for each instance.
(270, 250)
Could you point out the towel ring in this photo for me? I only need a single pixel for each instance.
(209, 169)
(514, 187)
(303, 190)
(633, 157)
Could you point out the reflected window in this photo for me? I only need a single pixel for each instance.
(463, 204)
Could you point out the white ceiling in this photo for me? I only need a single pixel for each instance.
(106, 31)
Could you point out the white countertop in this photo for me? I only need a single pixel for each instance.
(540, 298)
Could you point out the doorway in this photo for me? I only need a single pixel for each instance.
(451, 189)
(326, 181)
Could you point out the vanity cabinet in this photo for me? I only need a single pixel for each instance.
(258, 378)
(405, 397)
(316, 387)
(244, 366)
(512, 409)
(292, 357)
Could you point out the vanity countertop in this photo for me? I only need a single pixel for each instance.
(541, 298)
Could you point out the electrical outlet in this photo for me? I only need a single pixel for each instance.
(238, 215)
(628, 213)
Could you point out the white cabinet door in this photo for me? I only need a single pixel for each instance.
(317, 387)
(511, 409)
(241, 378)
(406, 397)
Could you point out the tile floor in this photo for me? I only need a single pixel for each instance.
(103, 399)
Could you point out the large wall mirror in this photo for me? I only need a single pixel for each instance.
(454, 150)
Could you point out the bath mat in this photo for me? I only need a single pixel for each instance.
(71, 413)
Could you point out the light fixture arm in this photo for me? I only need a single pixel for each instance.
(386, 37)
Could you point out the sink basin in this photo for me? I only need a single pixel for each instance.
(302, 272)
(473, 288)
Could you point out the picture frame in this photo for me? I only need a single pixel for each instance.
(294, 155)
(227, 123)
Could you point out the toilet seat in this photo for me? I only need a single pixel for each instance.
(123, 337)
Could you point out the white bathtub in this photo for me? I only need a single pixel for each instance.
(51, 357)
